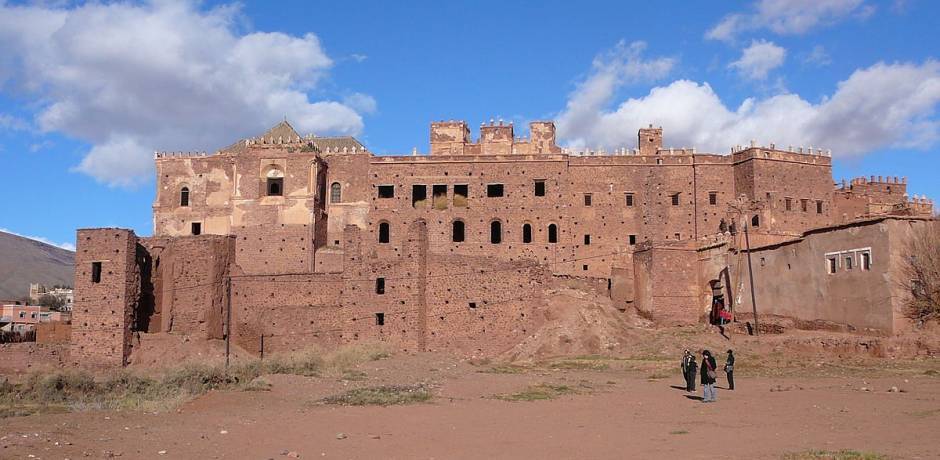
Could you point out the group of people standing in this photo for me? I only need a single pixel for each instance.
(708, 373)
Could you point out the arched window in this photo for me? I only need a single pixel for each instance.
(275, 183)
(384, 232)
(526, 233)
(755, 221)
(336, 193)
(552, 233)
(184, 196)
(457, 231)
(496, 232)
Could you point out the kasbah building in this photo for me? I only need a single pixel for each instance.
(285, 241)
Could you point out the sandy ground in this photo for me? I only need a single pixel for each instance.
(617, 412)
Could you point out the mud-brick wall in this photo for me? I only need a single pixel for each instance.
(53, 332)
(666, 284)
(478, 305)
(290, 311)
(187, 281)
(275, 248)
(104, 310)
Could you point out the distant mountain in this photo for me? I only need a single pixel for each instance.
(24, 261)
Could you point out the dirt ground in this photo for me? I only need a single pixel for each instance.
(612, 407)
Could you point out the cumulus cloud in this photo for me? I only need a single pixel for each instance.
(624, 64)
(361, 102)
(66, 246)
(788, 17)
(759, 59)
(885, 105)
(132, 78)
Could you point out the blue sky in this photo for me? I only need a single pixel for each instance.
(89, 91)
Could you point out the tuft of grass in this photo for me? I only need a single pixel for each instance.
(660, 374)
(926, 413)
(679, 432)
(505, 369)
(540, 392)
(834, 455)
(79, 390)
(579, 364)
(385, 395)
(932, 372)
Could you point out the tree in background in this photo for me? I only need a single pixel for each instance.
(922, 268)
(53, 302)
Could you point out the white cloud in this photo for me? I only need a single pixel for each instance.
(361, 102)
(132, 78)
(885, 105)
(788, 17)
(759, 59)
(622, 65)
(66, 246)
(12, 123)
(818, 56)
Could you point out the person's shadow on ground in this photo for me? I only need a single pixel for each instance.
(677, 387)
(694, 398)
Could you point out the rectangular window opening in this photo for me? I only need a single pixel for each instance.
(804, 205)
(419, 196)
(849, 261)
(494, 190)
(461, 193)
(584, 267)
(275, 186)
(788, 204)
(866, 261)
(386, 191)
(819, 207)
(675, 199)
(539, 188)
(439, 197)
(96, 272)
(380, 319)
(472, 305)
(197, 228)
(678, 236)
(629, 200)
(587, 199)
(587, 240)
(380, 286)
(831, 265)
(712, 198)
(632, 240)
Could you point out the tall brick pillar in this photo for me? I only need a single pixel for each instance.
(416, 249)
(107, 289)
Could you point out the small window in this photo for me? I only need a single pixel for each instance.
(788, 204)
(386, 191)
(763, 262)
(819, 207)
(584, 267)
(526, 233)
(494, 190)
(712, 198)
(496, 232)
(96, 272)
(460, 195)
(632, 240)
(539, 188)
(848, 262)
(675, 199)
(22, 314)
(384, 232)
(419, 196)
(380, 319)
(804, 205)
(629, 200)
(184, 196)
(380, 286)
(275, 186)
(197, 228)
(457, 231)
(678, 236)
(866, 261)
(552, 233)
(755, 221)
(439, 196)
(587, 240)
(472, 304)
(831, 264)
(336, 193)
(587, 199)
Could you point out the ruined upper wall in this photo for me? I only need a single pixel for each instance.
(453, 138)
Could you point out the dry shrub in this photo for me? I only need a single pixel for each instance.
(921, 267)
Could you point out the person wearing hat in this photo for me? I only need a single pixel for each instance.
(708, 377)
(729, 369)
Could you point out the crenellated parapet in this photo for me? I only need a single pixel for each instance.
(496, 138)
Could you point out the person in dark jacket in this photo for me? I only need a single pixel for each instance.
(729, 369)
(709, 367)
(688, 370)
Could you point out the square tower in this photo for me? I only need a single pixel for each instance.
(649, 140)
